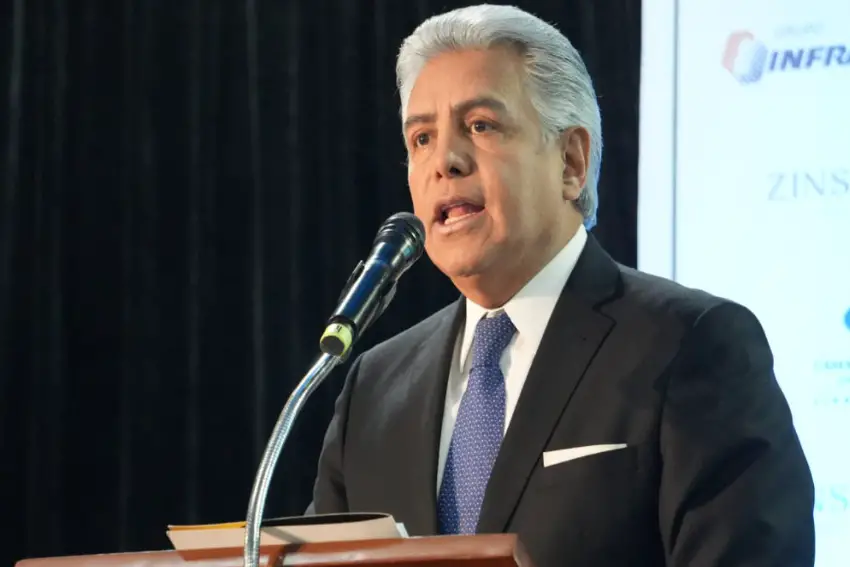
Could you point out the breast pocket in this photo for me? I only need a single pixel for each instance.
(589, 466)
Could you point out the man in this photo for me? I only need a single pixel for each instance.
(608, 417)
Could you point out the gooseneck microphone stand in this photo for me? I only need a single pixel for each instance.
(315, 376)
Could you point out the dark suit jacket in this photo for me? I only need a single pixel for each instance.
(713, 475)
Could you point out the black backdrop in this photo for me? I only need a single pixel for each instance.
(186, 186)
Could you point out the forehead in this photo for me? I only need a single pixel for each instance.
(453, 77)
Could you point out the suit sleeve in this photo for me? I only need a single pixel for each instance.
(329, 495)
(736, 489)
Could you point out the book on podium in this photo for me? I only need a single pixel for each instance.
(338, 540)
(291, 530)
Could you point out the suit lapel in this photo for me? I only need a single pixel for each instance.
(415, 457)
(574, 334)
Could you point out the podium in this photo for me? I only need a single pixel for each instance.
(496, 550)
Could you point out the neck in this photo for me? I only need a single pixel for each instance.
(493, 288)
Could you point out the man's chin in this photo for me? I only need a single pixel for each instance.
(461, 268)
(463, 259)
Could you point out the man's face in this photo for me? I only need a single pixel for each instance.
(489, 191)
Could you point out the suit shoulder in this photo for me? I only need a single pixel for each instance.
(413, 336)
(660, 296)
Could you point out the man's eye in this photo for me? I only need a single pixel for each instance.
(421, 140)
(479, 126)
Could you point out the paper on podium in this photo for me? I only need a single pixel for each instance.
(296, 529)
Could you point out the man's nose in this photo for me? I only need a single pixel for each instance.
(453, 160)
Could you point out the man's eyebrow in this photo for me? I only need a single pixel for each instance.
(493, 104)
(460, 108)
(414, 119)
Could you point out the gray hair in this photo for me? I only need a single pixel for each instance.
(560, 86)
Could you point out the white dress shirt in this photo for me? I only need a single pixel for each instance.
(529, 310)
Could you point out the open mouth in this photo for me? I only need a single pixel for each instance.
(456, 211)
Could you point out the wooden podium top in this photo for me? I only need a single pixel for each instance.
(497, 550)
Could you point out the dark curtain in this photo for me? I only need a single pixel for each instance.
(186, 186)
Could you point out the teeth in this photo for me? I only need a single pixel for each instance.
(452, 220)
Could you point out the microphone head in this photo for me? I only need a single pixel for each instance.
(405, 231)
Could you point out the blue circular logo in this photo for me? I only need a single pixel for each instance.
(847, 319)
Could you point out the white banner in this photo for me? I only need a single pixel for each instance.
(745, 192)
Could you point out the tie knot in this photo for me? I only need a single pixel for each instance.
(492, 335)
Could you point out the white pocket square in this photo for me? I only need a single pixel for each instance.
(563, 455)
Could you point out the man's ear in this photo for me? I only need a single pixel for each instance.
(575, 151)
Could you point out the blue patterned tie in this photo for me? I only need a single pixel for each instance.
(478, 430)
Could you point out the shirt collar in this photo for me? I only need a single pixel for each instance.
(531, 308)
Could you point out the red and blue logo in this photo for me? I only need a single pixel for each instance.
(748, 59)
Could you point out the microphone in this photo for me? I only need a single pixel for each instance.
(372, 285)
(369, 290)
